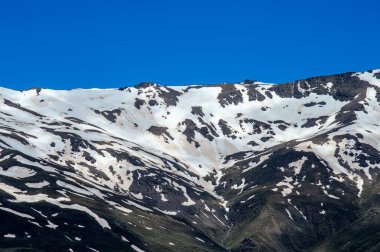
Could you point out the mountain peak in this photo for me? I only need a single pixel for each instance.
(143, 85)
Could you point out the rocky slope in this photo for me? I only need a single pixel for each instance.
(229, 167)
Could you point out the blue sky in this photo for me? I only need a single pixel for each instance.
(80, 44)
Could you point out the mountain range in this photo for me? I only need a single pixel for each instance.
(246, 166)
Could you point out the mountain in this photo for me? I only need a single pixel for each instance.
(230, 167)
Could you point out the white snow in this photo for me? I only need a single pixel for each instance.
(287, 186)
(123, 209)
(326, 152)
(367, 76)
(297, 165)
(17, 172)
(303, 216)
(290, 216)
(166, 212)
(17, 213)
(51, 225)
(240, 186)
(21, 197)
(135, 248)
(329, 85)
(137, 196)
(38, 184)
(199, 239)
(73, 188)
(262, 159)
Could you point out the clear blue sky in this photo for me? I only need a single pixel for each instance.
(105, 43)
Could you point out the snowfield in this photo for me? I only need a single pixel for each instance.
(154, 167)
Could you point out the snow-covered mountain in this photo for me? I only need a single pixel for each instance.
(241, 167)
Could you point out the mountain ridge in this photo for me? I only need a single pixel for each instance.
(240, 167)
(142, 83)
